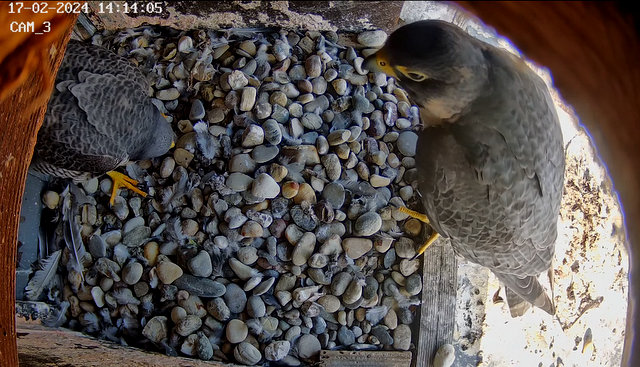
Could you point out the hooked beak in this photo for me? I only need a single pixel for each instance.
(379, 63)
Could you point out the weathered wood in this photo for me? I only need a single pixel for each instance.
(438, 310)
(592, 49)
(40, 346)
(303, 15)
(329, 358)
(21, 114)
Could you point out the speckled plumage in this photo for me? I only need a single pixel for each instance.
(491, 158)
(99, 116)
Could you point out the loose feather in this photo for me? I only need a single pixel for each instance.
(207, 143)
(43, 276)
(57, 317)
(72, 230)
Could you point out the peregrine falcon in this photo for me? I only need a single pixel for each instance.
(99, 117)
(490, 158)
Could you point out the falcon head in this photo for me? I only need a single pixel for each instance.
(433, 59)
(161, 139)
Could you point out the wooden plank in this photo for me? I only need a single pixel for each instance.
(41, 346)
(330, 358)
(437, 313)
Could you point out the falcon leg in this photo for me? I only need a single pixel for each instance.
(423, 218)
(414, 214)
(426, 245)
(122, 180)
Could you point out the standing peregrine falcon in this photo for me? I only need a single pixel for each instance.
(99, 117)
(491, 158)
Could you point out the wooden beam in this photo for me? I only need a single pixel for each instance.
(41, 346)
(438, 309)
(592, 50)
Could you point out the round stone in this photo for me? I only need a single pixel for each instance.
(236, 331)
(373, 39)
(253, 135)
(402, 337)
(407, 142)
(308, 346)
(247, 354)
(445, 356)
(277, 350)
(330, 303)
(346, 336)
(355, 247)
(218, 309)
(264, 186)
(156, 329)
(235, 298)
(132, 272)
(200, 265)
(168, 272)
(197, 111)
(368, 224)
(188, 325)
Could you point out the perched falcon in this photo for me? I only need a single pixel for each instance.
(99, 117)
(490, 158)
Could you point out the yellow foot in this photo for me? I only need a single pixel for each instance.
(426, 245)
(120, 180)
(413, 214)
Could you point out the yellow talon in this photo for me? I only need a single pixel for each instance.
(120, 180)
(426, 244)
(419, 216)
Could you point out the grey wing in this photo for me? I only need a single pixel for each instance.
(492, 181)
(67, 142)
(96, 112)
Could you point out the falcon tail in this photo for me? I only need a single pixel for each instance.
(521, 292)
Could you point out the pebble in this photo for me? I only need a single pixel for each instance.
(247, 354)
(308, 346)
(236, 331)
(253, 135)
(264, 186)
(197, 111)
(168, 272)
(218, 309)
(200, 265)
(277, 350)
(355, 247)
(445, 356)
(303, 249)
(353, 292)
(330, 303)
(235, 298)
(241, 270)
(156, 329)
(132, 272)
(201, 287)
(256, 307)
(168, 94)
(204, 347)
(373, 39)
(407, 142)
(402, 337)
(368, 224)
(188, 325)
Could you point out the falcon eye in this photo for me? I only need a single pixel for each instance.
(418, 77)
